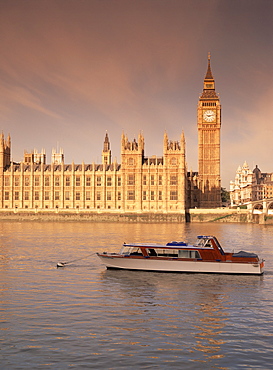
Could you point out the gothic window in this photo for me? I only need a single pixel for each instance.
(99, 181)
(98, 196)
(173, 195)
(144, 195)
(160, 195)
(119, 195)
(16, 195)
(57, 181)
(88, 181)
(88, 195)
(16, 181)
(78, 195)
(66, 195)
(173, 180)
(119, 181)
(144, 180)
(131, 179)
(152, 195)
(160, 180)
(47, 181)
(78, 181)
(6, 195)
(67, 180)
(6, 181)
(36, 195)
(26, 195)
(131, 195)
(46, 195)
(36, 181)
(109, 181)
(108, 195)
(152, 179)
(57, 195)
(173, 161)
(131, 161)
(27, 181)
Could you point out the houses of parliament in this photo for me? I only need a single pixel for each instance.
(136, 184)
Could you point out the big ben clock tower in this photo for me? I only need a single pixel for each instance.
(209, 125)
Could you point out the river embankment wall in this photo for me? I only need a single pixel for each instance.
(192, 215)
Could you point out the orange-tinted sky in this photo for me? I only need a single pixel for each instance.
(72, 69)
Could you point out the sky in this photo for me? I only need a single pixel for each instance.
(72, 70)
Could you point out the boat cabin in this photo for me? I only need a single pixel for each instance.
(207, 248)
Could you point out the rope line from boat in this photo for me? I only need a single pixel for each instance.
(63, 264)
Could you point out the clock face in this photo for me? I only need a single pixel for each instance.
(209, 115)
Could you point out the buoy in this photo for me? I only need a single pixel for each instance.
(60, 264)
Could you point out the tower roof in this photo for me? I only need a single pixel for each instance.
(209, 85)
(209, 75)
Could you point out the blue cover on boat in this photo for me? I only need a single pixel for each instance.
(176, 243)
(244, 254)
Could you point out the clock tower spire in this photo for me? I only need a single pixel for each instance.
(209, 125)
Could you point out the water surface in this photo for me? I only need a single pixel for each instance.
(83, 316)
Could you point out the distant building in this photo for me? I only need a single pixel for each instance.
(137, 184)
(250, 186)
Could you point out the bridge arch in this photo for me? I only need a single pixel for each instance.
(270, 208)
(258, 208)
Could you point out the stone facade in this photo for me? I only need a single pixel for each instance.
(250, 186)
(138, 184)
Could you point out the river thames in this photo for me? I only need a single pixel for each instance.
(86, 317)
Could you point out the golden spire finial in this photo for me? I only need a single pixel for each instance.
(209, 55)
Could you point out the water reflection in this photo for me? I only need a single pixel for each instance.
(211, 318)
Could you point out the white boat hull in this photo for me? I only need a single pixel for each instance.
(149, 264)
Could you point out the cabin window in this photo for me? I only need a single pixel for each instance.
(152, 252)
(167, 252)
(136, 251)
(188, 254)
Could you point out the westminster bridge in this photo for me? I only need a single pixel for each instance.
(263, 206)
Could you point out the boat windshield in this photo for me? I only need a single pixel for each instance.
(204, 242)
(130, 251)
